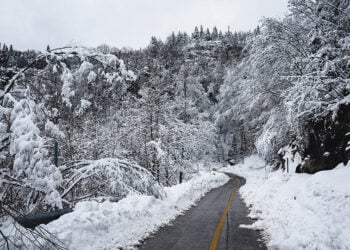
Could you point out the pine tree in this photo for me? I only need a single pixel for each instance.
(214, 34)
(207, 35)
(4, 48)
(201, 32)
(257, 30)
(221, 36)
(154, 47)
(195, 34)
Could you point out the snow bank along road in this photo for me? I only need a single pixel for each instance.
(212, 224)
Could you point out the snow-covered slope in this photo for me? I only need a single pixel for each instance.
(298, 211)
(110, 225)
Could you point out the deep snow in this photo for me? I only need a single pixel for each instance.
(109, 225)
(297, 211)
(112, 225)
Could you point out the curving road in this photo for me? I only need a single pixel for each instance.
(212, 224)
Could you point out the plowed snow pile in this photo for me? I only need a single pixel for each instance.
(298, 211)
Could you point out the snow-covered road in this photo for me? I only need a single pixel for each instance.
(298, 211)
(207, 226)
(110, 225)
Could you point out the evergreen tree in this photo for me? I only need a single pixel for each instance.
(5, 48)
(257, 30)
(154, 47)
(195, 34)
(207, 35)
(214, 34)
(220, 36)
(201, 32)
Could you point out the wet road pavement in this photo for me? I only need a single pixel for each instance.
(205, 226)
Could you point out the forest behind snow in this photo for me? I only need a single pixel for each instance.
(79, 122)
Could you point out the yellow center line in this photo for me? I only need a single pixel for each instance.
(215, 240)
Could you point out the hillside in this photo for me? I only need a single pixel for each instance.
(78, 123)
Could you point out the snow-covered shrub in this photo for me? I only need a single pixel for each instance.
(108, 177)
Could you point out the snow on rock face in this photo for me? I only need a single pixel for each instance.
(110, 225)
(298, 211)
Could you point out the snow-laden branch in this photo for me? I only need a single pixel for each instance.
(111, 176)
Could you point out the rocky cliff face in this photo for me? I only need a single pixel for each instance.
(328, 141)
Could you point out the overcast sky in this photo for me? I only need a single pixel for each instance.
(122, 23)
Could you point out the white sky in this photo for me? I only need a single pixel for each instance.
(32, 24)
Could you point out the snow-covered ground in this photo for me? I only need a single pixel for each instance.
(110, 225)
(298, 211)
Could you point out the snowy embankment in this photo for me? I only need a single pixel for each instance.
(298, 211)
(110, 225)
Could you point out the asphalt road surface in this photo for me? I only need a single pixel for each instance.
(212, 224)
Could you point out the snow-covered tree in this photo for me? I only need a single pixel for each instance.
(39, 106)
